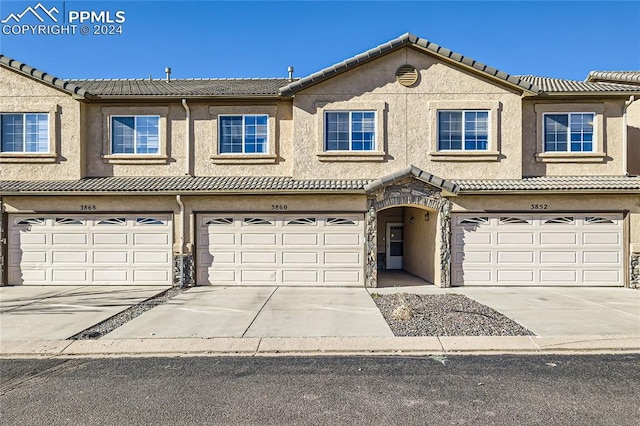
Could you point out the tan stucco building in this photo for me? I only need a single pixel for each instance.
(407, 156)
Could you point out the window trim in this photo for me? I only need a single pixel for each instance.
(598, 155)
(350, 112)
(493, 151)
(377, 155)
(163, 135)
(594, 142)
(219, 144)
(52, 155)
(135, 142)
(463, 133)
(213, 149)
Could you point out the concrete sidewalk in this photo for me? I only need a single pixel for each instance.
(36, 321)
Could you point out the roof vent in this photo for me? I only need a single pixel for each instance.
(290, 70)
(407, 75)
(167, 71)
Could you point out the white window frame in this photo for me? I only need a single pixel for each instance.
(463, 131)
(374, 148)
(135, 142)
(267, 143)
(594, 133)
(24, 133)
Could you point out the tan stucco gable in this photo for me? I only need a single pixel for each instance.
(41, 76)
(424, 45)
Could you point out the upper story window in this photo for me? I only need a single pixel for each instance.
(570, 132)
(350, 130)
(243, 134)
(24, 133)
(463, 130)
(135, 134)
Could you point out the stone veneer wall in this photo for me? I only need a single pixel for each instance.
(409, 192)
(634, 266)
(188, 271)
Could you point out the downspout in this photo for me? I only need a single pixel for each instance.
(187, 141)
(181, 241)
(625, 142)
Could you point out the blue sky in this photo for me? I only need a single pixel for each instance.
(262, 38)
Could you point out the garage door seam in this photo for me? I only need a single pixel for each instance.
(260, 310)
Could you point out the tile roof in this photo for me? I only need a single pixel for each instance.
(184, 87)
(416, 172)
(220, 184)
(202, 184)
(49, 79)
(404, 40)
(558, 85)
(624, 77)
(552, 183)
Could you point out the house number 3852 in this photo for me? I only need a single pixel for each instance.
(539, 206)
(87, 207)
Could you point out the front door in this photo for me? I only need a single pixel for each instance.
(395, 245)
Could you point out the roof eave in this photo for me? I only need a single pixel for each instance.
(184, 96)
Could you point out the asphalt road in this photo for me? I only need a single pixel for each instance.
(477, 390)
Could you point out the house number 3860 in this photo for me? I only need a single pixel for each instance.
(279, 207)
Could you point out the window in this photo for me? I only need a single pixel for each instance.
(135, 134)
(463, 130)
(243, 134)
(350, 131)
(27, 133)
(571, 132)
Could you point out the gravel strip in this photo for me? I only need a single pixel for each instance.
(97, 331)
(443, 315)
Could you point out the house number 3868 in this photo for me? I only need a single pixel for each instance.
(88, 207)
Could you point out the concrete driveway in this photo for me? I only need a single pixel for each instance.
(207, 312)
(59, 312)
(552, 311)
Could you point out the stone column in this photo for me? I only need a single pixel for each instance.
(445, 242)
(634, 266)
(371, 246)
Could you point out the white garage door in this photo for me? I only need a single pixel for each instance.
(541, 249)
(90, 249)
(293, 249)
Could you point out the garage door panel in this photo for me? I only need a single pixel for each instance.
(258, 276)
(110, 257)
(518, 276)
(69, 275)
(290, 249)
(70, 257)
(300, 239)
(566, 276)
(342, 239)
(83, 249)
(24, 238)
(258, 239)
(116, 239)
(259, 257)
(595, 238)
(222, 239)
(515, 238)
(347, 276)
(333, 258)
(516, 257)
(299, 276)
(561, 249)
(110, 275)
(600, 257)
(557, 238)
(295, 257)
(558, 257)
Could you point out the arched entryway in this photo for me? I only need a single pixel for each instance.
(408, 227)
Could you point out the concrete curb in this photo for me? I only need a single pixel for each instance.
(312, 346)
